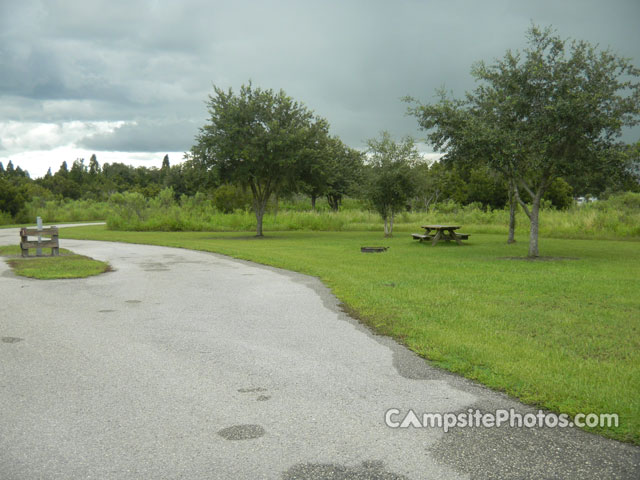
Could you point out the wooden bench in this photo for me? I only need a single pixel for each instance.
(463, 236)
(421, 237)
(26, 244)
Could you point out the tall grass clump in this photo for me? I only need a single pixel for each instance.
(64, 210)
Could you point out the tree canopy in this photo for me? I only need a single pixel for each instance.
(258, 139)
(391, 183)
(555, 109)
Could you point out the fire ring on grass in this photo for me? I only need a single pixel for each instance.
(373, 249)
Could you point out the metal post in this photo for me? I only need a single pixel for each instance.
(39, 249)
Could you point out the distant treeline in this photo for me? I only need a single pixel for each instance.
(435, 183)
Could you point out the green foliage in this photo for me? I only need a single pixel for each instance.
(626, 203)
(229, 198)
(333, 170)
(486, 188)
(555, 109)
(12, 198)
(128, 208)
(391, 184)
(616, 217)
(64, 210)
(258, 139)
(560, 194)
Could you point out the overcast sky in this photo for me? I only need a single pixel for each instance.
(128, 79)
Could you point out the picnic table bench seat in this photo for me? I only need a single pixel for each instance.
(421, 236)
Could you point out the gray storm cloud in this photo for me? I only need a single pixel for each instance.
(152, 64)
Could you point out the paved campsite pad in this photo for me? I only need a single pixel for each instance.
(146, 391)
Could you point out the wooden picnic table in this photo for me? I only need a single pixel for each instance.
(435, 233)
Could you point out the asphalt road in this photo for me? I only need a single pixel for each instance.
(190, 365)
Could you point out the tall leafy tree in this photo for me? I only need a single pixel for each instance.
(78, 171)
(258, 139)
(12, 197)
(63, 171)
(333, 171)
(554, 109)
(94, 166)
(344, 172)
(391, 183)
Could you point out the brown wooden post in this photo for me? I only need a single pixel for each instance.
(55, 251)
(23, 239)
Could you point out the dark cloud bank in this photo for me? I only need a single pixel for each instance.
(153, 63)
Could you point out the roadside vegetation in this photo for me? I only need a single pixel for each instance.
(616, 218)
(65, 265)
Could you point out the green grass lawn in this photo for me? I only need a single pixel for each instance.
(560, 334)
(66, 265)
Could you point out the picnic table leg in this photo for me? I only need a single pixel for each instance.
(455, 237)
(437, 238)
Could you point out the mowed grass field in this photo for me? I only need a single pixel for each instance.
(562, 334)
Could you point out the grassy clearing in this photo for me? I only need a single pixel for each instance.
(67, 265)
(564, 334)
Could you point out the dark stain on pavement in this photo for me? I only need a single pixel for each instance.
(510, 452)
(372, 470)
(154, 267)
(133, 301)
(252, 390)
(263, 398)
(106, 311)
(242, 432)
(11, 339)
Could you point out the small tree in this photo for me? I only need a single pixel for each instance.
(333, 173)
(391, 185)
(94, 166)
(257, 139)
(165, 170)
(344, 172)
(555, 109)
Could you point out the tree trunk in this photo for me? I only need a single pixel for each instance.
(275, 212)
(533, 234)
(259, 207)
(512, 214)
(534, 213)
(433, 198)
(427, 203)
(388, 226)
(313, 201)
(334, 202)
